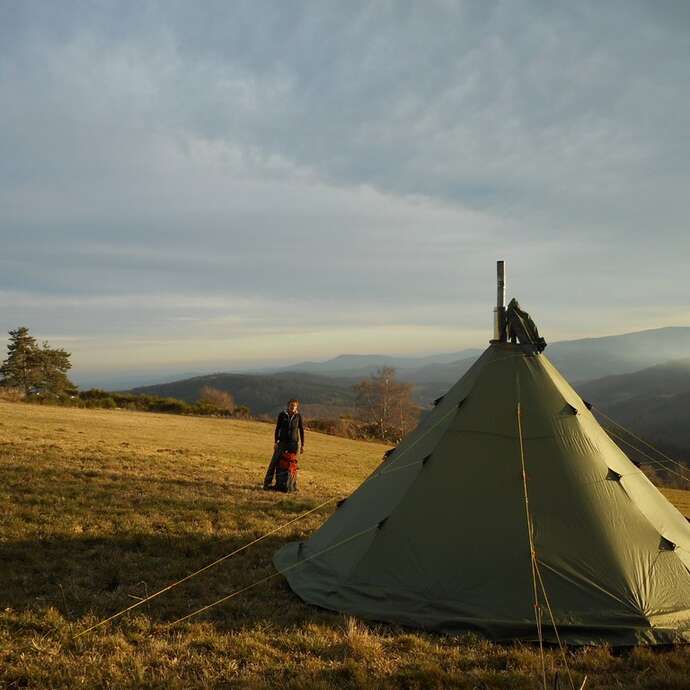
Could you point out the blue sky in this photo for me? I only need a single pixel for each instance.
(191, 186)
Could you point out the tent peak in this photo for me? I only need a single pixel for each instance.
(512, 322)
(520, 328)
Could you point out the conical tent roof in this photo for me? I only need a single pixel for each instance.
(437, 536)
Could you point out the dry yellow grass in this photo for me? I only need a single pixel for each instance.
(100, 507)
(680, 499)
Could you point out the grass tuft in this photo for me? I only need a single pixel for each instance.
(98, 509)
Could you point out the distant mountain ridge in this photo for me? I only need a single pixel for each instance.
(590, 358)
(327, 389)
(579, 360)
(662, 380)
(364, 365)
(655, 402)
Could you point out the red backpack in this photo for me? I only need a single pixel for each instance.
(286, 475)
(288, 461)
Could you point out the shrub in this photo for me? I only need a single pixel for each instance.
(204, 408)
(92, 394)
(344, 427)
(171, 405)
(242, 412)
(11, 394)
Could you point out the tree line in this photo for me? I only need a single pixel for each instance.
(384, 408)
(212, 402)
(37, 372)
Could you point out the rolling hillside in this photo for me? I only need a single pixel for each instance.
(661, 381)
(591, 358)
(329, 383)
(268, 393)
(99, 509)
(361, 366)
(655, 402)
(578, 360)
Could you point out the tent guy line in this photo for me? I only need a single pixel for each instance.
(201, 570)
(561, 646)
(378, 525)
(652, 461)
(536, 573)
(480, 399)
(223, 558)
(532, 549)
(641, 440)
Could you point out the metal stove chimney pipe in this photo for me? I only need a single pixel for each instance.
(500, 335)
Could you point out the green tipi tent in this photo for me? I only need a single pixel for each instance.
(437, 536)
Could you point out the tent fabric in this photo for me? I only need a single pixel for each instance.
(444, 543)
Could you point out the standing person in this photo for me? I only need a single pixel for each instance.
(288, 437)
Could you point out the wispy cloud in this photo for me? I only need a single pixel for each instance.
(261, 168)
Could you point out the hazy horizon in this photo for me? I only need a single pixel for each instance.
(132, 377)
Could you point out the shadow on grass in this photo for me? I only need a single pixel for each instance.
(97, 577)
(88, 579)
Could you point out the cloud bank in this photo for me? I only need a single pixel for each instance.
(257, 181)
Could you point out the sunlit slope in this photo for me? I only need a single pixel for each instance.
(98, 508)
(110, 448)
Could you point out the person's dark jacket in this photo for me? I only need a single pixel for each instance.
(289, 429)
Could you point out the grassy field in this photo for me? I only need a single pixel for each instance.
(98, 508)
(680, 499)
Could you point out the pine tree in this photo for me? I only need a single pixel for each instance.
(20, 369)
(53, 365)
(30, 367)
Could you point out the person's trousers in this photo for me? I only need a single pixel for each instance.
(273, 465)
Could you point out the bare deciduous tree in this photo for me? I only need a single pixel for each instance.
(214, 397)
(386, 404)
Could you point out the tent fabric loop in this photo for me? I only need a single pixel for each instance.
(613, 476)
(667, 545)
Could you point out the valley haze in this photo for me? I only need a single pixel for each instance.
(614, 354)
